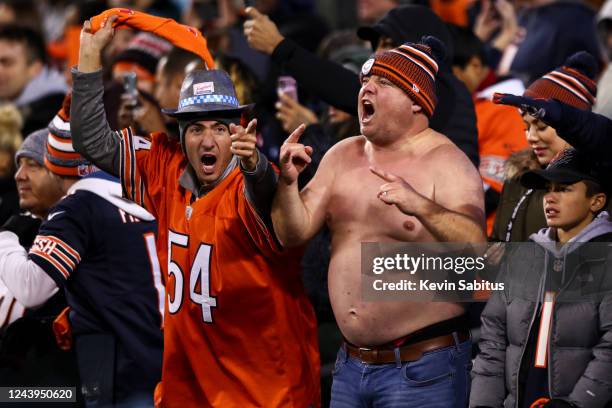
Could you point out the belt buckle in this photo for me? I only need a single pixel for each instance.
(367, 349)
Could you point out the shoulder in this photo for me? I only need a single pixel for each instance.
(348, 145)
(79, 203)
(163, 139)
(152, 141)
(519, 163)
(72, 211)
(603, 238)
(444, 153)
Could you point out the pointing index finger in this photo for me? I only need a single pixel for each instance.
(295, 136)
(383, 174)
(252, 126)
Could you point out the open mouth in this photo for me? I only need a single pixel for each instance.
(551, 212)
(368, 111)
(539, 151)
(208, 163)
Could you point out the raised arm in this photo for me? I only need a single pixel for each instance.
(298, 216)
(584, 130)
(260, 179)
(91, 134)
(328, 80)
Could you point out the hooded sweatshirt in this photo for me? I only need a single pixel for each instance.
(40, 99)
(577, 364)
(546, 237)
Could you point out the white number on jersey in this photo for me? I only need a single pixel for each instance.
(140, 143)
(200, 272)
(149, 238)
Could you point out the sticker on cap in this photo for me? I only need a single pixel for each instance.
(415, 88)
(367, 66)
(204, 88)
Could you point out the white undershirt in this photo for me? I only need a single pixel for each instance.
(25, 280)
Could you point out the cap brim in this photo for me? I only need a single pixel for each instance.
(538, 179)
(212, 110)
(371, 34)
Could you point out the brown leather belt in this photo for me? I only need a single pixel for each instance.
(409, 352)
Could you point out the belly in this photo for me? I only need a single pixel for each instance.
(374, 322)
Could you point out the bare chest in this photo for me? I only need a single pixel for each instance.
(356, 210)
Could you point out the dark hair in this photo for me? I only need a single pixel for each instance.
(592, 188)
(26, 12)
(466, 46)
(177, 60)
(31, 39)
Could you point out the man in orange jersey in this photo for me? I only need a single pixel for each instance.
(239, 331)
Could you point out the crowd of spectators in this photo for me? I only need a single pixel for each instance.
(294, 63)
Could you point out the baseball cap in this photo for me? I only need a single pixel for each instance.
(569, 167)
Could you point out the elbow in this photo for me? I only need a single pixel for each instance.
(33, 291)
(285, 238)
(76, 132)
(30, 303)
(290, 241)
(29, 300)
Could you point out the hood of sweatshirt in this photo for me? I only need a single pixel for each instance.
(107, 187)
(512, 86)
(546, 236)
(409, 23)
(47, 82)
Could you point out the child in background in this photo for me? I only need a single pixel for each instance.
(545, 337)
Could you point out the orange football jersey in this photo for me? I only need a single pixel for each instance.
(239, 330)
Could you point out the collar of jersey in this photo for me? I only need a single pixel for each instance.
(189, 181)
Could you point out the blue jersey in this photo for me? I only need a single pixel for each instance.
(105, 260)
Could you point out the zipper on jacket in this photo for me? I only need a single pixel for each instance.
(552, 322)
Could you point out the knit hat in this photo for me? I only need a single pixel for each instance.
(60, 156)
(33, 147)
(141, 55)
(573, 83)
(412, 68)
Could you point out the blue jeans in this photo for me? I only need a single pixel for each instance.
(439, 379)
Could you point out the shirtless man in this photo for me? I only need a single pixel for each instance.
(400, 162)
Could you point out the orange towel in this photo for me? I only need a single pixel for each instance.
(185, 37)
(63, 330)
(539, 403)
